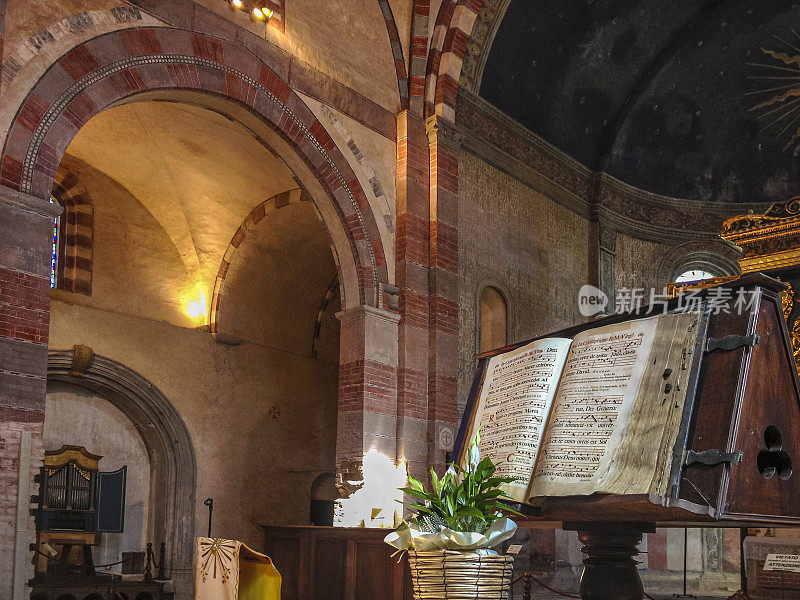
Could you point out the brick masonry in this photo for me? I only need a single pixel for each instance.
(25, 230)
(76, 234)
(92, 76)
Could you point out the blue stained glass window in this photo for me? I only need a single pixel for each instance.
(54, 255)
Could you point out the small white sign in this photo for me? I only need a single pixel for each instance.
(782, 562)
(446, 439)
(514, 549)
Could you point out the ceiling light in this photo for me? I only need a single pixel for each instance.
(258, 14)
(268, 12)
(237, 3)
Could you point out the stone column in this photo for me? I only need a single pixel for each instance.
(412, 276)
(367, 417)
(608, 252)
(26, 229)
(444, 141)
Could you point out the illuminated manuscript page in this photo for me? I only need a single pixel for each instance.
(513, 406)
(598, 389)
(613, 389)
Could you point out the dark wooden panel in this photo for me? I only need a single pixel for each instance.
(330, 576)
(337, 563)
(372, 565)
(770, 401)
(715, 405)
(284, 552)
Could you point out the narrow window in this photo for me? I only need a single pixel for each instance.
(494, 320)
(54, 249)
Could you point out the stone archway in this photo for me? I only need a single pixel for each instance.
(174, 468)
(116, 66)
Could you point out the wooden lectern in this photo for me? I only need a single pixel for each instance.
(732, 464)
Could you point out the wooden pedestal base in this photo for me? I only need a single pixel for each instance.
(609, 571)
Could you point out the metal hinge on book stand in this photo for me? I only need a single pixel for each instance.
(713, 457)
(731, 342)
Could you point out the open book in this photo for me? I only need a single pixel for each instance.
(597, 413)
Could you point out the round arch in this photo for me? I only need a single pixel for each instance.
(720, 258)
(168, 443)
(121, 65)
(502, 291)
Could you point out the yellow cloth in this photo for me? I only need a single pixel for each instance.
(229, 570)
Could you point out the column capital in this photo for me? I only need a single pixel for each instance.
(440, 131)
(34, 204)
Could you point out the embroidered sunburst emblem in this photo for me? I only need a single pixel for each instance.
(216, 557)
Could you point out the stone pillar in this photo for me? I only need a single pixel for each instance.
(717, 575)
(367, 389)
(608, 252)
(26, 229)
(444, 142)
(412, 274)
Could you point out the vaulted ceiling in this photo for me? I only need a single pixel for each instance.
(695, 99)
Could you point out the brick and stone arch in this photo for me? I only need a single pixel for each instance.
(715, 256)
(76, 232)
(328, 296)
(250, 222)
(397, 52)
(168, 443)
(449, 42)
(119, 65)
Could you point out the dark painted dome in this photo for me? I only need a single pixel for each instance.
(689, 98)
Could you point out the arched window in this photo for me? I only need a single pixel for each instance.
(55, 251)
(493, 319)
(73, 232)
(694, 275)
(323, 497)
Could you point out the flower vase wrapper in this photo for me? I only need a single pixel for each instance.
(447, 539)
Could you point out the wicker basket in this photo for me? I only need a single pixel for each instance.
(453, 575)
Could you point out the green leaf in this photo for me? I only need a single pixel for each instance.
(435, 483)
(416, 493)
(416, 484)
(470, 512)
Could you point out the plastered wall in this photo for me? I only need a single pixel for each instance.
(261, 414)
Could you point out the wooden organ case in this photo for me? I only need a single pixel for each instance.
(734, 460)
(76, 501)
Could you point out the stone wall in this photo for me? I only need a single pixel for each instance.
(531, 249)
(637, 264)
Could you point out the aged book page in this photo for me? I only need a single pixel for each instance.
(597, 399)
(644, 461)
(513, 405)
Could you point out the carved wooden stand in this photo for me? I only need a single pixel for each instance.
(609, 571)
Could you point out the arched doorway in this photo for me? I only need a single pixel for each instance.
(126, 70)
(122, 65)
(164, 435)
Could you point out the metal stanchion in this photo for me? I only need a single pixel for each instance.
(685, 552)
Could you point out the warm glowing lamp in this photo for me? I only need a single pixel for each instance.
(258, 14)
(268, 12)
(197, 308)
(237, 3)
